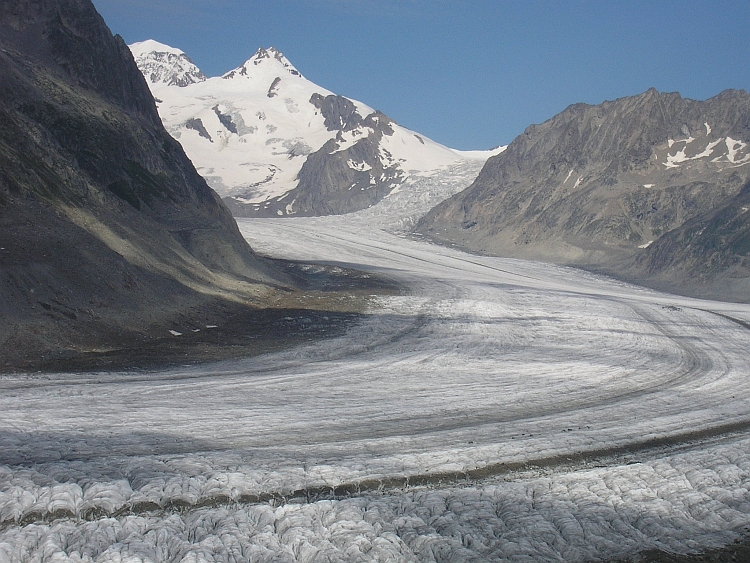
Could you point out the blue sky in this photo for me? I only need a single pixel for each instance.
(469, 74)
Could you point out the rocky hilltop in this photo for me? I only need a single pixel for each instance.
(272, 143)
(652, 188)
(107, 232)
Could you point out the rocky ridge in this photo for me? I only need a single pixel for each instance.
(651, 188)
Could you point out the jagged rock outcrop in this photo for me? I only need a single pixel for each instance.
(339, 113)
(618, 187)
(107, 232)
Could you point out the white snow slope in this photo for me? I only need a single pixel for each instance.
(249, 131)
(497, 410)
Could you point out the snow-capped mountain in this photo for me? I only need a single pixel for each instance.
(273, 143)
(162, 64)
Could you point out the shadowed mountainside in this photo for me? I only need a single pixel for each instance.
(651, 188)
(107, 232)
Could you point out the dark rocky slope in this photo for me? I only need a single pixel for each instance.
(107, 233)
(651, 188)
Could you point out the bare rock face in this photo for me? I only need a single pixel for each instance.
(708, 256)
(106, 229)
(340, 113)
(649, 188)
(73, 40)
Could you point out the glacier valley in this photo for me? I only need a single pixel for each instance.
(495, 410)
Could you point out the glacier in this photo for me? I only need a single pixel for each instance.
(494, 410)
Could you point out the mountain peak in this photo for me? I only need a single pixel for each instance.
(270, 53)
(264, 60)
(162, 64)
(148, 46)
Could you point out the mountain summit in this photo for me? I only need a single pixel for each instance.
(272, 143)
